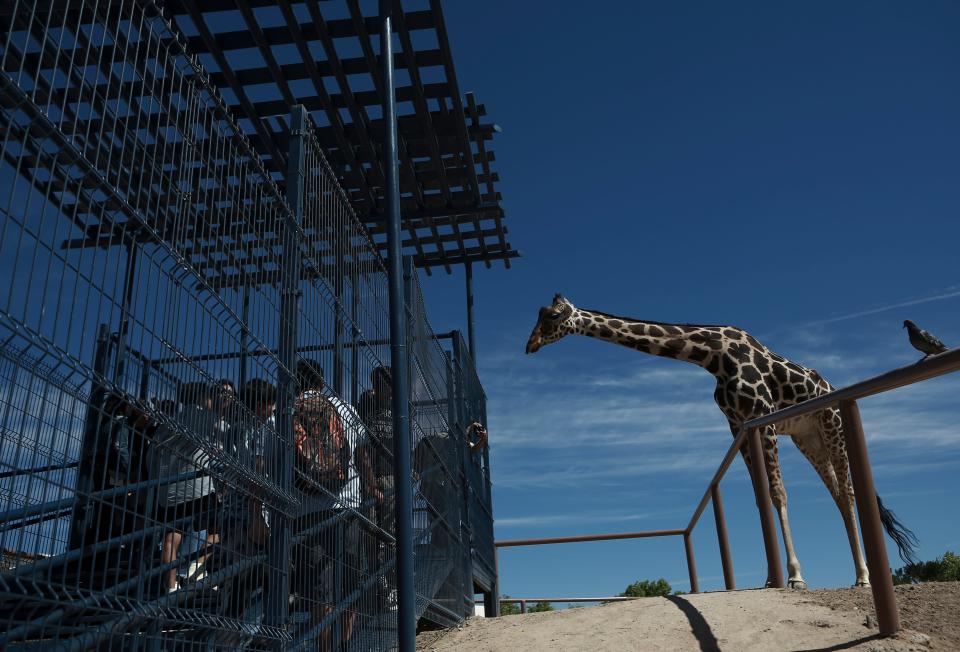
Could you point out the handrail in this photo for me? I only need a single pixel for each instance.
(613, 598)
(925, 369)
(589, 537)
(845, 398)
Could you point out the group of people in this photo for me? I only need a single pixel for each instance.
(215, 442)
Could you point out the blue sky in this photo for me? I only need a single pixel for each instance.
(791, 169)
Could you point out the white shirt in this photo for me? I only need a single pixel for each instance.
(356, 433)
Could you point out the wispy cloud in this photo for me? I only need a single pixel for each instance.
(947, 293)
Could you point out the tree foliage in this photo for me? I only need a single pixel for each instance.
(540, 606)
(509, 608)
(941, 569)
(647, 589)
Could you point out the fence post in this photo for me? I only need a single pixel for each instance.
(761, 487)
(282, 449)
(83, 507)
(523, 606)
(881, 582)
(728, 579)
(691, 562)
(471, 337)
(403, 492)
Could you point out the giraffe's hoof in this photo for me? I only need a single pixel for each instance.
(798, 585)
(861, 583)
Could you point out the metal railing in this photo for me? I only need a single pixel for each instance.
(195, 438)
(861, 476)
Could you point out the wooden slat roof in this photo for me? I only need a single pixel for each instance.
(266, 55)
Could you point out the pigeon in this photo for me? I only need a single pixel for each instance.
(923, 341)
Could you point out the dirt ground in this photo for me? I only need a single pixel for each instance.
(932, 608)
(748, 621)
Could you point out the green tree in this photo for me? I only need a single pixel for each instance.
(941, 569)
(540, 606)
(647, 589)
(509, 608)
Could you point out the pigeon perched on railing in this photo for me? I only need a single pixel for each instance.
(923, 341)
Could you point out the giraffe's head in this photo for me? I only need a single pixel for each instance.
(554, 322)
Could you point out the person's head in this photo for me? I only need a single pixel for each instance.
(380, 380)
(226, 394)
(310, 375)
(260, 397)
(197, 394)
(308, 414)
(167, 406)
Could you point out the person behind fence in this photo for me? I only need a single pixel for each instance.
(431, 470)
(227, 408)
(311, 381)
(375, 464)
(321, 471)
(183, 451)
(243, 514)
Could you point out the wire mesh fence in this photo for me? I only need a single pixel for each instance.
(195, 426)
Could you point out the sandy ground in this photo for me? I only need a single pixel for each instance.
(748, 621)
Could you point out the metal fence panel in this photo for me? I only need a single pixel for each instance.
(194, 399)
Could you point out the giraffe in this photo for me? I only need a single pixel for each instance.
(752, 381)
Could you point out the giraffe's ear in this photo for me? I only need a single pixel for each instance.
(558, 298)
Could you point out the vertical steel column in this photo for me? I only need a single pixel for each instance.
(354, 337)
(881, 582)
(282, 449)
(244, 337)
(83, 508)
(463, 497)
(728, 579)
(338, 332)
(761, 487)
(691, 562)
(120, 364)
(403, 493)
(471, 338)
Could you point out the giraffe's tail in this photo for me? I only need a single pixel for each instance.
(905, 539)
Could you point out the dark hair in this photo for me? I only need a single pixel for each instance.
(227, 381)
(309, 374)
(194, 393)
(259, 392)
(380, 374)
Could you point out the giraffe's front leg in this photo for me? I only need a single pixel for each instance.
(779, 497)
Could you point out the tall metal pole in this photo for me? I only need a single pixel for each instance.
(881, 582)
(282, 450)
(403, 486)
(761, 487)
(691, 562)
(471, 338)
(244, 337)
(721, 520)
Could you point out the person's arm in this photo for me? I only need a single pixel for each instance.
(481, 432)
(366, 473)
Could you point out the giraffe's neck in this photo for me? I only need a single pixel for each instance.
(699, 345)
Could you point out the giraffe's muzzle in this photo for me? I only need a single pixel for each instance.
(535, 341)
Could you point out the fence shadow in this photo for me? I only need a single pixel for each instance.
(698, 624)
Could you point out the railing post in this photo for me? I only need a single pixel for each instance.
(874, 545)
(691, 562)
(728, 579)
(761, 487)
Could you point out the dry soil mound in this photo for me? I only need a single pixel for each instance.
(751, 621)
